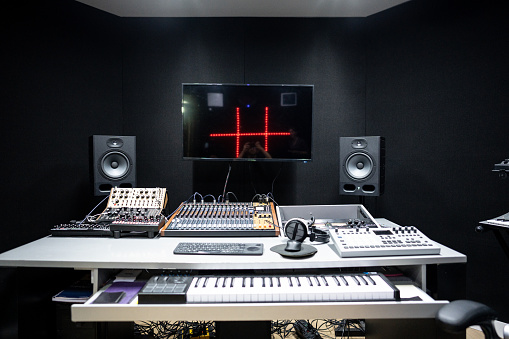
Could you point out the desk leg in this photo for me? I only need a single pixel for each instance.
(501, 241)
(417, 273)
(243, 329)
(447, 282)
(100, 276)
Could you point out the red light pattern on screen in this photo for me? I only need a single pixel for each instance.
(238, 134)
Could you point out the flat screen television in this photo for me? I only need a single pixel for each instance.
(247, 122)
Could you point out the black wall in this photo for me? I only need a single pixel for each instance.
(61, 81)
(160, 54)
(437, 82)
(430, 76)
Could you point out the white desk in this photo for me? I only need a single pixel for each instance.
(101, 255)
(157, 253)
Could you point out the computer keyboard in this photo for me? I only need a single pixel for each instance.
(219, 248)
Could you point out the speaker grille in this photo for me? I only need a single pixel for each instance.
(359, 166)
(115, 165)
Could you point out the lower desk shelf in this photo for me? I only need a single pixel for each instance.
(415, 304)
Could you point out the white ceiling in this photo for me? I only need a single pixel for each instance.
(242, 8)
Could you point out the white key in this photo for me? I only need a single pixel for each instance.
(275, 287)
(196, 291)
(237, 291)
(248, 290)
(307, 290)
(346, 288)
(318, 288)
(207, 294)
(385, 292)
(358, 293)
(227, 290)
(263, 289)
(328, 288)
(219, 290)
(286, 293)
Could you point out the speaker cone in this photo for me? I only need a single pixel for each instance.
(359, 166)
(115, 165)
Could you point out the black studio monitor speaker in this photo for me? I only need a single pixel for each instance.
(112, 162)
(362, 165)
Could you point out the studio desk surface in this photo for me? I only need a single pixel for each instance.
(157, 253)
(103, 256)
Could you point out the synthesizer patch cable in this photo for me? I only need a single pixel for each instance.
(223, 219)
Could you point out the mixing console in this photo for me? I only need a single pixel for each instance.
(228, 219)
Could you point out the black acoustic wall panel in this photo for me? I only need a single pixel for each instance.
(442, 105)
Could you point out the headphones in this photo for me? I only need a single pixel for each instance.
(299, 229)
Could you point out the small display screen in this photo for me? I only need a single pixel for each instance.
(383, 232)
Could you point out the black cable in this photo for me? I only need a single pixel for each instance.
(226, 181)
(251, 178)
(228, 194)
(274, 181)
(93, 209)
(175, 330)
(282, 328)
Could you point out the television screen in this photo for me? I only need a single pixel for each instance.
(247, 122)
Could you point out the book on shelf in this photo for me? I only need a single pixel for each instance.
(78, 292)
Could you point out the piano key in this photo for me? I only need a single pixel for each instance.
(235, 292)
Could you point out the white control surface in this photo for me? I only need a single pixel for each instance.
(370, 242)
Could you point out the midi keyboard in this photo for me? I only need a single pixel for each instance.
(81, 230)
(370, 286)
